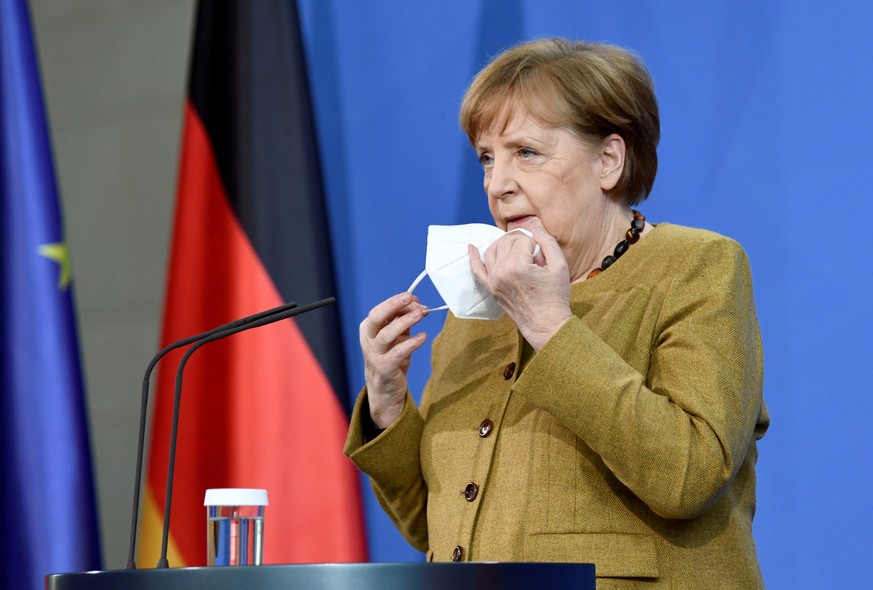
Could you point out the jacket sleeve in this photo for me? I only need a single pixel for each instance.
(677, 436)
(392, 460)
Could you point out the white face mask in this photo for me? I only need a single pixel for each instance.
(447, 263)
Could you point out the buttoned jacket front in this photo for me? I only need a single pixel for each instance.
(628, 441)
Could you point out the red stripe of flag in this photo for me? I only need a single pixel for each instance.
(258, 409)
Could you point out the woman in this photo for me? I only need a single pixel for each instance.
(611, 416)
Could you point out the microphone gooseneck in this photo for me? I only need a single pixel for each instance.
(262, 321)
(131, 558)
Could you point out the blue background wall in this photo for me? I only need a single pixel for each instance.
(766, 137)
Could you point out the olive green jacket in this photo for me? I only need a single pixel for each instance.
(628, 441)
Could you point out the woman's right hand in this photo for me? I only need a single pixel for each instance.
(387, 346)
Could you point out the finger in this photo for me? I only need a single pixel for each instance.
(523, 246)
(381, 369)
(398, 327)
(383, 313)
(493, 253)
(524, 236)
(476, 265)
(403, 349)
(549, 247)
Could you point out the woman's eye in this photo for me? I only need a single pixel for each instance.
(527, 152)
(486, 159)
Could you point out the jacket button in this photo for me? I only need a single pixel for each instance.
(485, 428)
(471, 491)
(457, 554)
(509, 371)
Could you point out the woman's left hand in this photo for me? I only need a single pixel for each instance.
(534, 292)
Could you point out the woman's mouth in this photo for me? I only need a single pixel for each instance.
(520, 221)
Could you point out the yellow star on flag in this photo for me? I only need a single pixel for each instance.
(59, 253)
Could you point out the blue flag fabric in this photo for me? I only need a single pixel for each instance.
(48, 503)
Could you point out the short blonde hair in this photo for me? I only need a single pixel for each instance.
(593, 88)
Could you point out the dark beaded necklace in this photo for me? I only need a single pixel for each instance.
(631, 237)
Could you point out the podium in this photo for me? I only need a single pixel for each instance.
(333, 576)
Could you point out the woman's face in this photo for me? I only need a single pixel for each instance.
(545, 172)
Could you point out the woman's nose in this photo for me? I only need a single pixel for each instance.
(500, 181)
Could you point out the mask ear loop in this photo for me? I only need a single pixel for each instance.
(415, 283)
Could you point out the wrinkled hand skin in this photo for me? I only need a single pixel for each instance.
(533, 291)
(387, 347)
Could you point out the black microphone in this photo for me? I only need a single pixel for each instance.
(131, 558)
(263, 321)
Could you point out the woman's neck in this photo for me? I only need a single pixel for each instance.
(614, 229)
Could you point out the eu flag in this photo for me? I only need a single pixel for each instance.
(48, 505)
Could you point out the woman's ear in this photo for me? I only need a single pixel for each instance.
(612, 160)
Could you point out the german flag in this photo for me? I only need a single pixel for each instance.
(260, 409)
